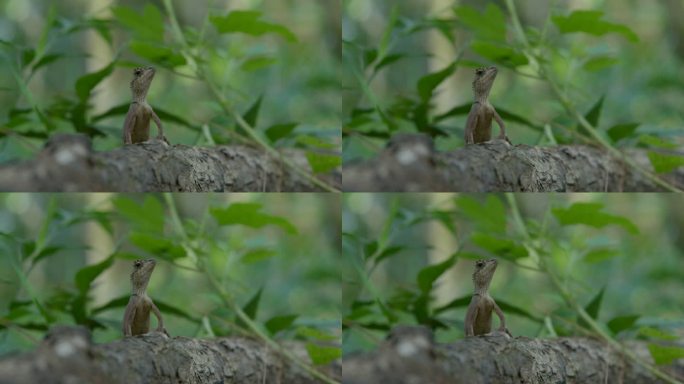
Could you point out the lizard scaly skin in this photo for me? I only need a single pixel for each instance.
(137, 123)
(479, 123)
(136, 319)
(478, 320)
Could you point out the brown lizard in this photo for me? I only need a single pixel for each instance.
(478, 320)
(137, 123)
(136, 319)
(479, 124)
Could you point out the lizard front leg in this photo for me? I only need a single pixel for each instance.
(502, 127)
(471, 123)
(158, 122)
(471, 315)
(502, 320)
(160, 321)
(129, 124)
(129, 315)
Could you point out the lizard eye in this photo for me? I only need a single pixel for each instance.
(479, 263)
(479, 71)
(138, 263)
(137, 71)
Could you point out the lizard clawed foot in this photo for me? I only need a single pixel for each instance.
(499, 333)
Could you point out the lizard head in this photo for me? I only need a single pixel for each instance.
(482, 84)
(142, 270)
(482, 276)
(142, 78)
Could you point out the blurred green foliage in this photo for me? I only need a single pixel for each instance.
(409, 66)
(65, 67)
(409, 258)
(66, 259)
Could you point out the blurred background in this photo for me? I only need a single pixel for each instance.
(640, 80)
(48, 46)
(67, 258)
(634, 250)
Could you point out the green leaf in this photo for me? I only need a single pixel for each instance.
(322, 355)
(600, 62)
(85, 84)
(252, 306)
(258, 254)
(248, 22)
(589, 22)
(256, 63)
(248, 214)
(252, 113)
(147, 217)
(590, 214)
(147, 26)
(427, 276)
(173, 310)
(489, 25)
(313, 333)
(428, 83)
(600, 254)
(323, 162)
(157, 245)
(664, 163)
(278, 131)
(656, 142)
(86, 275)
(594, 306)
(621, 323)
(655, 333)
(488, 216)
(593, 115)
(510, 309)
(280, 323)
(622, 131)
(157, 53)
(508, 249)
(665, 355)
(499, 53)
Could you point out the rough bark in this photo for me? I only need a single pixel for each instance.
(407, 358)
(409, 164)
(68, 356)
(68, 164)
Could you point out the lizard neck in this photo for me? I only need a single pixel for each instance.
(140, 99)
(482, 290)
(482, 97)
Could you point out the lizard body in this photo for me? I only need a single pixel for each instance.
(479, 123)
(478, 319)
(137, 316)
(137, 123)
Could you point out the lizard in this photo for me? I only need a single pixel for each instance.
(137, 123)
(136, 319)
(478, 320)
(479, 123)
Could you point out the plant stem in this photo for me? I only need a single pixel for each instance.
(572, 111)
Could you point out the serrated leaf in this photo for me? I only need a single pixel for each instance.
(600, 62)
(427, 276)
(248, 22)
(665, 355)
(280, 323)
(500, 53)
(428, 83)
(157, 53)
(590, 214)
(147, 26)
(590, 22)
(595, 112)
(256, 63)
(323, 162)
(85, 84)
(665, 163)
(621, 323)
(489, 25)
(322, 355)
(147, 217)
(600, 254)
(86, 275)
(258, 254)
(622, 131)
(248, 214)
(279, 131)
(488, 216)
(506, 248)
